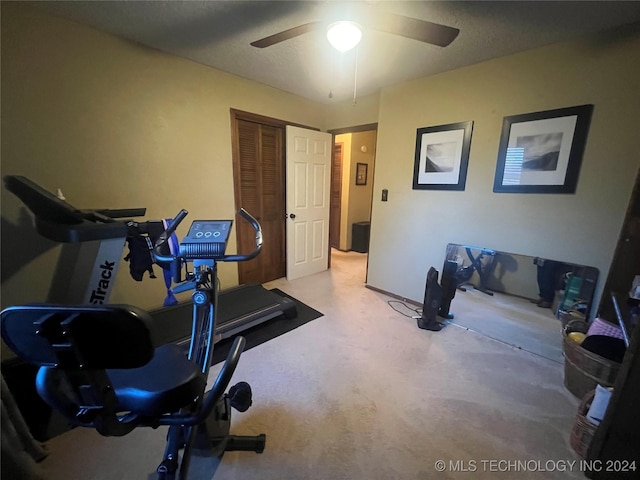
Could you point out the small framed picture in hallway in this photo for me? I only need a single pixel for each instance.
(361, 173)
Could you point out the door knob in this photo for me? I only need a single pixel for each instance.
(292, 216)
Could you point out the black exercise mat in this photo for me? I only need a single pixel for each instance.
(268, 330)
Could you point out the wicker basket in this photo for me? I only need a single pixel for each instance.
(583, 370)
(570, 348)
(583, 430)
(566, 317)
(572, 324)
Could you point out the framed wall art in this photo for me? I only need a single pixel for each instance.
(361, 173)
(541, 152)
(442, 157)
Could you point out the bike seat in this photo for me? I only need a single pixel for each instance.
(164, 385)
(98, 364)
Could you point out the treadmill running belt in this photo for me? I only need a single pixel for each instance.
(242, 304)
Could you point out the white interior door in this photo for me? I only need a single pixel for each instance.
(308, 187)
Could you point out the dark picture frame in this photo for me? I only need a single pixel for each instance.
(542, 152)
(361, 173)
(442, 156)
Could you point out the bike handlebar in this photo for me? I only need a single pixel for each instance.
(164, 236)
(258, 241)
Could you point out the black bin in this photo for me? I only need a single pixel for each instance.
(360, 236)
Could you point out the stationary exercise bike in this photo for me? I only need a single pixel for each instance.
(100, 367)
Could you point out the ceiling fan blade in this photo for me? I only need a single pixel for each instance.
(420, 30)
(285, 35)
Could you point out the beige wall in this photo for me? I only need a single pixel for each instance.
(411, 230)
(115, 125)
(349, 114)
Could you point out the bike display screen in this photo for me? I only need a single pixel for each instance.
(215, 231)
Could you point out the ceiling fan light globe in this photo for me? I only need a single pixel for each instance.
(344, 35)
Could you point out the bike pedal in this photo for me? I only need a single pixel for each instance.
(240, 396)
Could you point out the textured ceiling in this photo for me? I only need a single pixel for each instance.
(219, 33)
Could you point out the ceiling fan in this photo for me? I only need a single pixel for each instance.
(421, 30)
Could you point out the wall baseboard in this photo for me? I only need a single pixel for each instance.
(393, 295)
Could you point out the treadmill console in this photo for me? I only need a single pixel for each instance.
(206, 239)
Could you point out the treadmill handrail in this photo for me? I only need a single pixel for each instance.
(85, 232)
(60, 221)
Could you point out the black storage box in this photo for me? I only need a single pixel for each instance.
(360, 236)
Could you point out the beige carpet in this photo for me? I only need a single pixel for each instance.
(362, 393)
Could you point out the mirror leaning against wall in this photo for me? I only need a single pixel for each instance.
(561, 286)
(520, 300)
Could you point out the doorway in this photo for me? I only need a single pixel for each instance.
(258, 150)
(352, 185)
(259, 175)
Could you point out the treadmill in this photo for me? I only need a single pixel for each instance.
(238, 309)
(93, 243)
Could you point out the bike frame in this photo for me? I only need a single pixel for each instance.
(204, 282)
